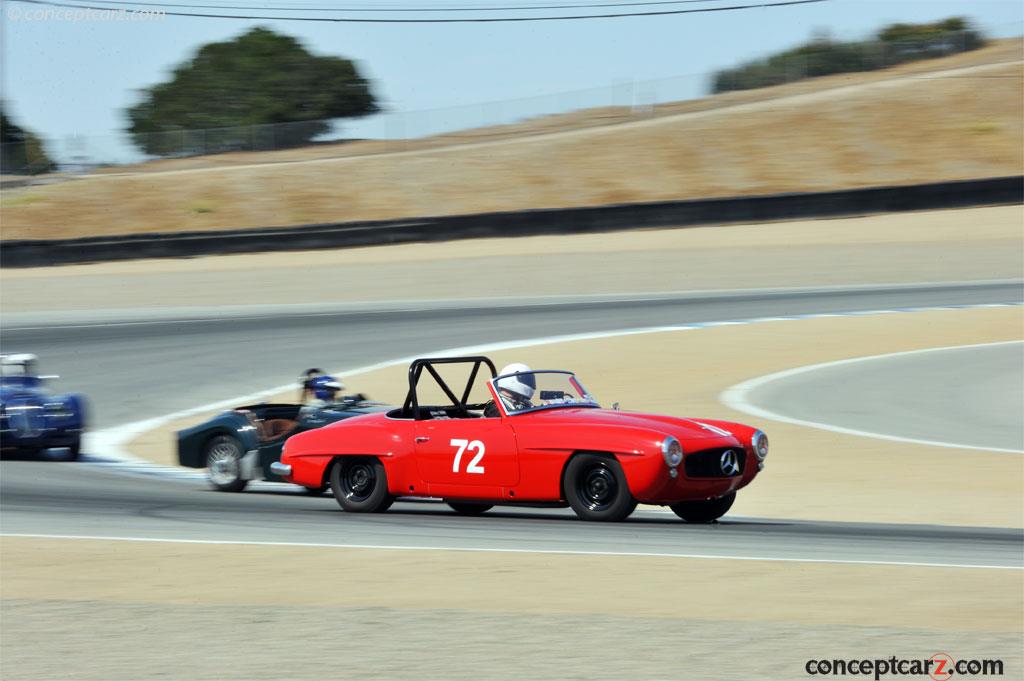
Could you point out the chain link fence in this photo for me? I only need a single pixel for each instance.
(617, 102)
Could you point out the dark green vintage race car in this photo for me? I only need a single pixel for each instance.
(239, 445)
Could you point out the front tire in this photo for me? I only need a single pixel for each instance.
(706, 511)
(75, 449)
(224, 464)
(596, 488)
(469, 508)
(360, 485)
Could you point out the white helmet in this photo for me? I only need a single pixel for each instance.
(517, 379)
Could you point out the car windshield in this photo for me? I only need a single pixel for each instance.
(533, 390)
(16, 368)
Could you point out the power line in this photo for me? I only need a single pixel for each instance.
(446, 20)
(582, 5)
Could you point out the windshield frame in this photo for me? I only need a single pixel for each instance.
(18, 365)
(493, 385)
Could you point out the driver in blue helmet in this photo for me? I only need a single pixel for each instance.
(318, 391)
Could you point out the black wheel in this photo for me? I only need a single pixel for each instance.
(706, 511)
(596, 488)
(360, 485)
(75, 449)
(224, 464)
(315, 491)
(469, 508)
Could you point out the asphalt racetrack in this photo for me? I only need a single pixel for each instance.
(133, 371)
(968, 396)
(85, 500)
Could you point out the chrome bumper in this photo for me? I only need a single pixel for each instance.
(281, 469)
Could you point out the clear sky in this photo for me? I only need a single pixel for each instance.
(63, 78)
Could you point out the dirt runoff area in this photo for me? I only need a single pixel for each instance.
(966, 121)
(811, 474)
(927, 246)
(112, 611)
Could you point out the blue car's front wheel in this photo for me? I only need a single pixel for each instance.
(75, 449)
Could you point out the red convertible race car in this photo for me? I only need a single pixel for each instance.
(524, 437)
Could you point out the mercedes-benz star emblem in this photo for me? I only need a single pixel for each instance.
(729, 462)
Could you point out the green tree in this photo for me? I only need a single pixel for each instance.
(949, 35)
(823, 56)
(260, 78)
(21, 151)
(907, 32)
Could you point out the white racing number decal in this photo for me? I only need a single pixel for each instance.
(474, 446)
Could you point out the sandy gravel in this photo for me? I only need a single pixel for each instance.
(118, 610)
(112, 611)
(930, 246)
(97, 641)
(811, 474)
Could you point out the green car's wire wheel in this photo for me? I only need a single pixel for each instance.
(360, 485)
(224, 464)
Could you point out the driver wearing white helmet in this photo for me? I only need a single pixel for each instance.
(516, 386)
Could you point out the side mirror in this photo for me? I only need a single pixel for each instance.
(615, 406)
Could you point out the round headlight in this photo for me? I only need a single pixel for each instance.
(672, 451)
(760, 445)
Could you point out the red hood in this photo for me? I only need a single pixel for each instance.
(679, 427)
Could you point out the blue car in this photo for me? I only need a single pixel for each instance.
(32, 418)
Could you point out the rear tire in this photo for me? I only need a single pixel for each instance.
(224, 464)
(360, 485)
(469, 508)
(706, 511)
(596, 488)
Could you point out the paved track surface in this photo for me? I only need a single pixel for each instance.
(972, 396)
(141, 370)
(136, 371)
(83, 499)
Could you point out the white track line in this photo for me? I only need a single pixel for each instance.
(738, 397)
(483, 549)
(78, 319)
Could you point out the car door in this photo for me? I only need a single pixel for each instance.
(467, 457)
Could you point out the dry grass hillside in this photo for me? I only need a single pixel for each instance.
(955, 118)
